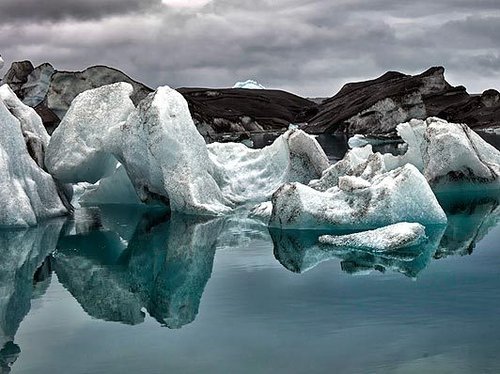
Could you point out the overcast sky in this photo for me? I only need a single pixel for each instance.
(310, 47)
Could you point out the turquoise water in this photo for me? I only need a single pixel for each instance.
(117, 290)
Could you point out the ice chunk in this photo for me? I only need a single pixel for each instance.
(449, 155)
(388, 238)
(166, 157)
(399, 195)
(359, 162)
(1, 63)
(249, 84)
(80, 149)
(255, 174)
(34, 133)
(27, 193)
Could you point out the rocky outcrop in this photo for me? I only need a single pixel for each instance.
(378, 106)
(51, 92)
(240, 110)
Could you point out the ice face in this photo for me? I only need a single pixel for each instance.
(165, 158)
(255, 174)
(27, 193)
(388, 238)
(115, 189)
(450, 155)
(80, 148)
(400, 195)
(249, 84)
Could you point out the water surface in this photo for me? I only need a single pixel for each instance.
(117, 290)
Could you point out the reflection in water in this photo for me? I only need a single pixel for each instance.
(470, 218)
(300, 251)
(22, 253)
(162, 267)
(119, 263)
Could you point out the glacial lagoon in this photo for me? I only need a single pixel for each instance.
(116, 290)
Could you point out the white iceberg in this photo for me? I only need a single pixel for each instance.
(249, 84)
(79, 150)
(166, 159)
(449, 155)
(255, 174)
(1, 63)
(388, 238)
(400, 195)
(28, 194)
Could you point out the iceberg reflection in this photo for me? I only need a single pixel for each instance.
(162, 267)
(470, 218)
(300, 251)
(23, 275)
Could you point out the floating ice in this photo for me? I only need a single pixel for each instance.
(165, 157)
(388, 238)
(450, 155)
(400, 195)
(27, 193)
(249, 84)
(255, 174)
(1, 62)
(80, 149)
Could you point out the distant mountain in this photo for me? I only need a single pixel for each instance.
(369, 107)
(377, 106)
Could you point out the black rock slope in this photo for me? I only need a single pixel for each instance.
(240, 110)
(377, 106)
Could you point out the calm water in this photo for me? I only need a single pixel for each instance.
(127, 291)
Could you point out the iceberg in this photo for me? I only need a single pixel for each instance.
(253, 175)
(249, 84)
(450, 155)
(28, 194)
(79, 149)
(165, 158)
(399, 195)
(1, 62)
(388, 238)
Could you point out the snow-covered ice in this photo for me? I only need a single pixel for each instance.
(400, 195)
(449, 155)
(388, 238)
(80, 147)
(166, 159)
(249, 84)
(28, 194)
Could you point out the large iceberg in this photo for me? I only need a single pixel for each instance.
(28, 193)
(79, 150)
(450, 155)
(400, 195)
(166, 159)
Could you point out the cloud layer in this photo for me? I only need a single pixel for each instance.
(311, 47)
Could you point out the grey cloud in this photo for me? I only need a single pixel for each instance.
(308, 47)
(56, 10)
